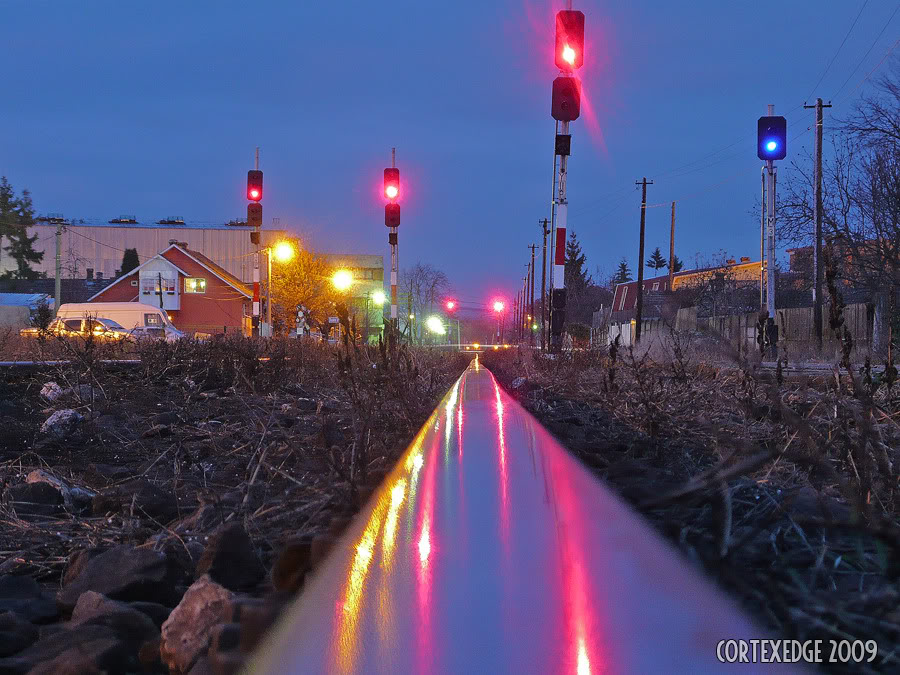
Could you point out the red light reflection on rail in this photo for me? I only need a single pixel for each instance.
(504, 497)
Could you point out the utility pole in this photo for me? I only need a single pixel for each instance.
(817, 250)
(672, 250)
(545, 229)
(531, 301)
(57, 291)
(640, 283)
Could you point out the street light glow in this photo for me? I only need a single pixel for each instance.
(342, 279)
(283, 251)
(498, 306)
(435, 325)
(378, 297)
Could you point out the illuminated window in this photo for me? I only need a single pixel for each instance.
(656, 286)
(150, 285)
(194, 285)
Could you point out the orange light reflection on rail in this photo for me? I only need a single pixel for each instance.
(356, 580)
(398, 495)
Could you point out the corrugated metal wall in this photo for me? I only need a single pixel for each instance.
(100, 247)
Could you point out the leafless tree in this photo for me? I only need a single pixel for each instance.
(861, 192)
(423, 286)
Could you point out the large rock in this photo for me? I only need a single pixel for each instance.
(187, 631)
(23, 596)
(81, 650)
(61, 424)
(131, 623)
(15, 633)
(123, 573)
(158, 613)
(140, 496)
(52, 391)
(35, 499)
(75, 498)
(230, 559)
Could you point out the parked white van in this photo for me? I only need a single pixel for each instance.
(140, 318)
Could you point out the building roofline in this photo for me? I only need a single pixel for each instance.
(129, 273)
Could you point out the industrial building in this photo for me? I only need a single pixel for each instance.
(94, 250)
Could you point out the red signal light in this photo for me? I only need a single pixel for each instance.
(569, 54)
(254, 185)
(451, 304)
(392, 183)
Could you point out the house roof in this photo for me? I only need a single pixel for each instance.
(198, 258)
(136, 269)
(216, 269)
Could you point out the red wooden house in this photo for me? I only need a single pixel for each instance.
(198, 295)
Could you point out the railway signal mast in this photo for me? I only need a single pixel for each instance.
(565, 108)
(254, 220)
(392, 221)
(771, 145)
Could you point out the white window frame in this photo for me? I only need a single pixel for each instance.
(193, 291)
(622, 301)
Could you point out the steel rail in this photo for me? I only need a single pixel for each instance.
(490, 549)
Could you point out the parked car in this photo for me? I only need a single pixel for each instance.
(101, 328)
(168, 333)
(141, 319)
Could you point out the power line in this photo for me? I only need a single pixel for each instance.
(877, 66)
(871, 47)
(850, 30)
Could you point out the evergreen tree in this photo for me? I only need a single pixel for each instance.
(677, 265)
(21, 246)
(129, 261)
(576, 277)
(8, 215)
(656, 261)
(623, 274)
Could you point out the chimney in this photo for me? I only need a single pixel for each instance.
(745, 259)
(90, 273)
(99, 276)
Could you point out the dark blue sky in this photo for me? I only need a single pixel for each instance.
(155, 108)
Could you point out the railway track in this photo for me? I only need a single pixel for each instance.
(489, 549)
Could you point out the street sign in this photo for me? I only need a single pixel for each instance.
(333, 319)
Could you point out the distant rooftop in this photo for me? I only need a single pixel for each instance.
(164, 224)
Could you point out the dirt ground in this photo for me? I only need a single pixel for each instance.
(784, 492)
(286, 438)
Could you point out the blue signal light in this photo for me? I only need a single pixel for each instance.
(771, 140)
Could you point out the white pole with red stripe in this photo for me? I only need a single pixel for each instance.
(558, 273)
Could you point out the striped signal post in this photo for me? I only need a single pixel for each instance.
(254, 220)
(392, 221)
(565, 108)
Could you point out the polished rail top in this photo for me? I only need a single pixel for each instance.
(489, 549)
